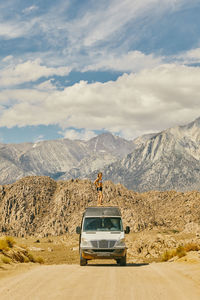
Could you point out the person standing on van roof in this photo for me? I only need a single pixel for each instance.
(99, 186)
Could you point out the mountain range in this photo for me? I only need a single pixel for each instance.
(169, 160)
(63, 157)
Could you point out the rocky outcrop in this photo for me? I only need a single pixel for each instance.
(40, 206)
(150, 246)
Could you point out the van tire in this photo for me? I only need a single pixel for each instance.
(123, 261)
(118, 261)
(83, 261)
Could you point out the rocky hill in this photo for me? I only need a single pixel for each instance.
(167, 160)
(41, 206)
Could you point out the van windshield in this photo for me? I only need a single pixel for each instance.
(102, 224)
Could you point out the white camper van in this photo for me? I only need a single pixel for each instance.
(102, 235)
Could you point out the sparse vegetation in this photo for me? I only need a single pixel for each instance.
(31, 257)
(10, 252)
(3, 245)
(191, 247)
(55, 250)
(10, 241)
(40, 260)
(180, 251)
(5, 259)
(167, 255)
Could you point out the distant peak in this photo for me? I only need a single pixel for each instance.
(103, 135)
(197, 121)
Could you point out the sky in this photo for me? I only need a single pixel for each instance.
(77, 68)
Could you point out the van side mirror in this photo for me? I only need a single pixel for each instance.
(78, 230)
(127, 230)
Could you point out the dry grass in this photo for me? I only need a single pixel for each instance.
(180, 251)
(191, 247)
(31, 257)
(10, 252)
(3, 245)
(10, 241)
(40, 260)
(167, 255)
(54, 249)
(6, 243)
(5, 259)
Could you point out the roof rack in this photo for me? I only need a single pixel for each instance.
(101, 211)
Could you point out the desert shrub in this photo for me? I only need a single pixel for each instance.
(19, 257)
(31, 257)
(40, 260)
(191, 247)
(10, 241)
(3, 245)
(6, 242)
(175, 231)
(5, 259)
(26, 259)
(180, 251)
(165, 256)
(168, 254)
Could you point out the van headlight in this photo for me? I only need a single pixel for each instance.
(120, 243)
(85, 243)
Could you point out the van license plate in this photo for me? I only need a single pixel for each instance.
(103, 254)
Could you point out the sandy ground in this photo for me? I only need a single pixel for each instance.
(177, 281)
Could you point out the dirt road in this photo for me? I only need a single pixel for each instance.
(155, 281)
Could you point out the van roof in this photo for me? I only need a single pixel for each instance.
(99, 211)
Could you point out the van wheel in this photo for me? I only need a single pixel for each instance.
(83, 261)
(118, 261)
(123, 261)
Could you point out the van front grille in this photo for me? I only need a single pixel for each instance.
(103, 244)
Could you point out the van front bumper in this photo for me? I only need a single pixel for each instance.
(103, 253)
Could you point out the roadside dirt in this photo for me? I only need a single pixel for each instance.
(135, 281)
(8, 270)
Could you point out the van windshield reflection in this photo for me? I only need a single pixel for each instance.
(102, 224)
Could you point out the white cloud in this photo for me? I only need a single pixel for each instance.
(7, 58)
(92, 40)
(134, 104)
(189, 57)
(30, 9)
(28, 71)
(112, 16)
(46, 85)
(133, 61)
(11, 30)
(78, 135)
